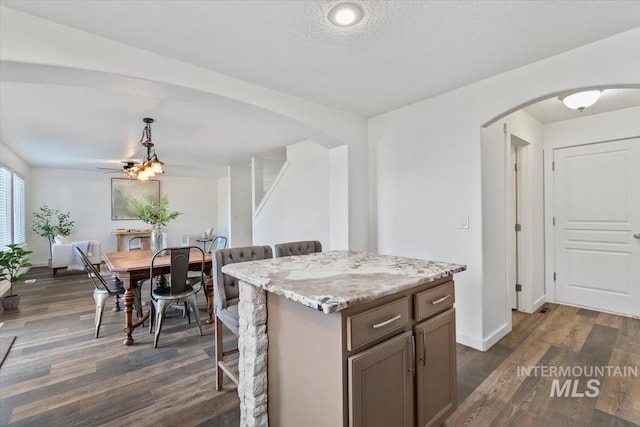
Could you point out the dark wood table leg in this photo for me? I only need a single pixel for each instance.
(209, 290)
(129, 297)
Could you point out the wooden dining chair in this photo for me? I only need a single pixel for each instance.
(176, 290)
(226, 295)
(303, 247)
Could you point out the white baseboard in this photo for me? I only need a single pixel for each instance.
(538, 303)
(496, 336)
(469, 341)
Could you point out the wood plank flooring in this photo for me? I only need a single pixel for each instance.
(492, 393)
(57, 374)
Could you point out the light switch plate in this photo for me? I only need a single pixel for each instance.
(464, 221)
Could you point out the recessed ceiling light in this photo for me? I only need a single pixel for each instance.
(345, 14)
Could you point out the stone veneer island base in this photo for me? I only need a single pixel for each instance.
(346, 338)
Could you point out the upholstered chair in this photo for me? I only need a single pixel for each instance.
(226, 295)
(303, 247)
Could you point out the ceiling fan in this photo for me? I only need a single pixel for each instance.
(150, 165)
(130, 168)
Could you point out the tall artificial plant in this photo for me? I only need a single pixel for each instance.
(50, 223)
(154, 213)
(12, 262)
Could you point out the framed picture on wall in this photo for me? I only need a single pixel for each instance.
(123, 190)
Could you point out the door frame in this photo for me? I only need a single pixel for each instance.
(549, 208)
(519, 254)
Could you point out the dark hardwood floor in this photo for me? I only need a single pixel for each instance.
(493, 392)
(57, 374)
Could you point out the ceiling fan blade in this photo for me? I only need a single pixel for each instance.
(110, 170)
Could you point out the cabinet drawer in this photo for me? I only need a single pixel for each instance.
(433, 300)
(376, 322)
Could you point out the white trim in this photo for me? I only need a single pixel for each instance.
(486, 343)
(538, 303)
(549, 235)
(496, 336)
(267, 195)
(549, 246)
(469, 341)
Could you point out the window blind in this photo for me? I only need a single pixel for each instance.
(18, 209)
(12, 207)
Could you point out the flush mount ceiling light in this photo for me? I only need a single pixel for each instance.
(345, 14)
(150, 166)
(581, 100)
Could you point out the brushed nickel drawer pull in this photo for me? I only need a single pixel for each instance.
(439, 300)
(424, 346)
(413, 356)
(386, 322)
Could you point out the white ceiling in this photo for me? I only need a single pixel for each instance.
(553, 110)
(403, 51)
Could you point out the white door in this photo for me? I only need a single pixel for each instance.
(597, 214)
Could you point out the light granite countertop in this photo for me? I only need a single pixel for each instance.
(335, 280)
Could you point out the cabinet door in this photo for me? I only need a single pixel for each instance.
(381, 384)
(437, 395)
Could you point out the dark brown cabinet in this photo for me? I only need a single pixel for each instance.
(381, 384)
(436, 376)
(422, 359)
(390, 362)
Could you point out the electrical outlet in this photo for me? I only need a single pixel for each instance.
(464, 221)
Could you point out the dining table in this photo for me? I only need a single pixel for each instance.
(133, 266)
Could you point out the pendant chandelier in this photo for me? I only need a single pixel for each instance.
(150, 166)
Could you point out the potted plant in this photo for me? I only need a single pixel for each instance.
(50, 223)
(13, 261)
(157, 214)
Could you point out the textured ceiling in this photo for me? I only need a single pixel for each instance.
(402, 52)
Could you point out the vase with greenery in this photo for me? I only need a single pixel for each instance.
(50, 223)
(13, 261)
(157, 214)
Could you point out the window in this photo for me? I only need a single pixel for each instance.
(12, 207)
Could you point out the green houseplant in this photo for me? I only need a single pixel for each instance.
(50, 223)
(13, 261)
(157, 214)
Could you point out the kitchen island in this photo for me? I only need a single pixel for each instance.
(346, 338)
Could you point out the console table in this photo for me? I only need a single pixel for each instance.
(120, 234)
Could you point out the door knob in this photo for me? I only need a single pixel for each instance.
(637, 235)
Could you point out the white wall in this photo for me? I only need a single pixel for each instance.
(584, 130)
(498, 220)
(339, 198)
(86, 195)
(618, 124)
(222, 228)
(298, 207)
(240, 207)
(427, 162)
(28, 42)
(15, 163)
(11, 159)
(526, 127)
